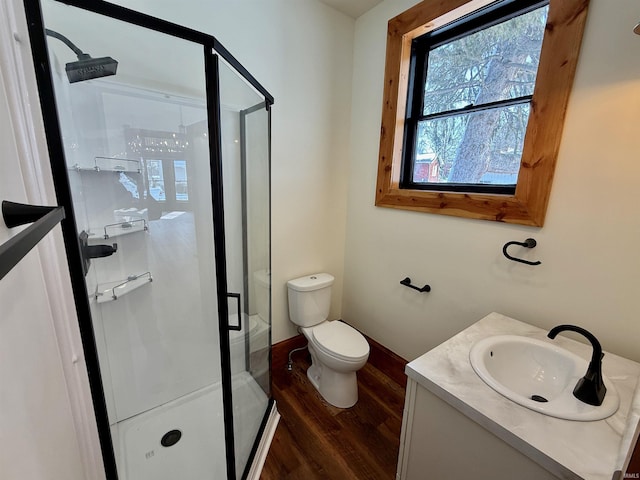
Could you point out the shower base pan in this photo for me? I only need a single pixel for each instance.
(194, 425)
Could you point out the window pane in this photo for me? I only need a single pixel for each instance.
(497, 63)
(180, 172)
(479, 148)
(156, 179)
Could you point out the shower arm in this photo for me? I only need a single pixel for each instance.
(52, 33)
(86, 67)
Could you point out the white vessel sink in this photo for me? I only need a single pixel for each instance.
(538, 375)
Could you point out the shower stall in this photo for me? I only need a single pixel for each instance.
(160, 148)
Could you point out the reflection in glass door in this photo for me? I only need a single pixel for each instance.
(244, 120)
(179, 400)
(163, 161)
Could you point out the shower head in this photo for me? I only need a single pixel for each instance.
(86, 67)
(637, 29)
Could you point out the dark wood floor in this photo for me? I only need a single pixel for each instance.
(315, 440)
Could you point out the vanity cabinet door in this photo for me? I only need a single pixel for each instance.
(437, 441)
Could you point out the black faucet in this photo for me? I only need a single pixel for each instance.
(590, 388)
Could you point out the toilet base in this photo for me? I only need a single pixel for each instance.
(338, 388)
(314, 377)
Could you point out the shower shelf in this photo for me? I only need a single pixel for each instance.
(109, 164)
(125, 228)
(107, 292)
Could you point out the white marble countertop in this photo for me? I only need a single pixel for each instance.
(568, 449)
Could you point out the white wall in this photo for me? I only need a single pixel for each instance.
(588, 246)
(301, 52)
(37, 436)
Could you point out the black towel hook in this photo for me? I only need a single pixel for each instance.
(528, 243)
(407, 283)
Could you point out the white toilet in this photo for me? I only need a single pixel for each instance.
(337, 350)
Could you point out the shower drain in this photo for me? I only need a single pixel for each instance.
(170, 438)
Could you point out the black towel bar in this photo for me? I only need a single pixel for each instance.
(407, 283)
(43, 219)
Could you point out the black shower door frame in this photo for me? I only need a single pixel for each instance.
(212, 49)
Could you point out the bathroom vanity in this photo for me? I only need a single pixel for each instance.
(456, 426)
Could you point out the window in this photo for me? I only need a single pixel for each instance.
(469, 104)
(474, 101)
(163, 159)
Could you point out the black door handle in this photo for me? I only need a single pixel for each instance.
(238, 327)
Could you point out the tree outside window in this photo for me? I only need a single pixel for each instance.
(475, 96)
(475, 101)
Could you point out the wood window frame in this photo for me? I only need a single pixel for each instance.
(558, 60)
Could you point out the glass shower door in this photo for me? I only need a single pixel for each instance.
(136, 148)
(245, 154)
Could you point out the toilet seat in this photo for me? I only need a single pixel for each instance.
(340, 341)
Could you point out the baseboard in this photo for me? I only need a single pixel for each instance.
(388, 362)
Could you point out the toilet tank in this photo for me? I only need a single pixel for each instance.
(310, 299)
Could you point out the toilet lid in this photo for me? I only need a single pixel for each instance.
(339, 339)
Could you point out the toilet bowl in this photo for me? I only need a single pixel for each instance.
(337, 350)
